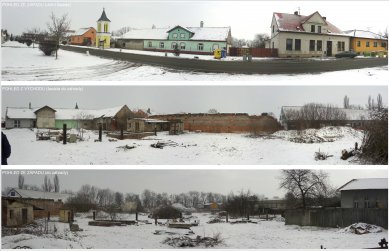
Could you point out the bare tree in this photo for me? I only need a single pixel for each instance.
(57, 27)
(379, 102)
(346, 102)
(212, 111)
(260, 40)
(82, 117)
(21, 181)
(375, 141)
(56, 184)
(304, 184)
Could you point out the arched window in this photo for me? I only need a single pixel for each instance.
(182, 45)
(174, 45)
(161, 45)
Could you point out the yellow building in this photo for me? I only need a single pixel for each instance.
(368, 43)
(103, 35)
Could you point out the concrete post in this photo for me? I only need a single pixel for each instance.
(100, 133)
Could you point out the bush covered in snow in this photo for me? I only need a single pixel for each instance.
(361, 228)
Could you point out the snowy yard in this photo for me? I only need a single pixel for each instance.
(188, 148)
(22, 63)
(263, 234)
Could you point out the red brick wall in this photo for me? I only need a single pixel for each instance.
(224, 122)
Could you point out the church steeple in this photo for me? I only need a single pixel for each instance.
(103, 35)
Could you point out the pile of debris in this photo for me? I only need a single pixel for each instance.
(322, 156)
(361, 228)
(126, 147)
(186, 241)
(216, 220)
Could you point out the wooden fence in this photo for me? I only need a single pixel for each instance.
(255, 52)
(337, 217)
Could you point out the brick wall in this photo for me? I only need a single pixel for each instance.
(224, 122)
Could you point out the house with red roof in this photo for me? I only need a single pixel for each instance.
(296, 35)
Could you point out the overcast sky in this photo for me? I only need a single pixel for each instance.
(190, 99)
(246, 18)
(263, 182)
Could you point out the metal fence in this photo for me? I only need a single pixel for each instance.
(255, 52)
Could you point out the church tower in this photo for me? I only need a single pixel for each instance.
(103, 35)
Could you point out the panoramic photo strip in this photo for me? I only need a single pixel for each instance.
(200, 125)
(165, 209)
(210, 40)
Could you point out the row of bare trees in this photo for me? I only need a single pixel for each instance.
(47, 185)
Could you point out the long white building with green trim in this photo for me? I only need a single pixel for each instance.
(193, 40)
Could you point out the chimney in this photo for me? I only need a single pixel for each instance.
(29, 105)
(325, 18)
(201, 24)
(296, 13)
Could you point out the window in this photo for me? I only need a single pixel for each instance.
(150, 44)
(215, 46)
(341, 46)
(174, 45)
(273, 29)
(312, 28)
(11, 214)
(358, 43)
(311, 45)
(297, 44)
(289, 44)
(375, 44)
(161, 45)
(182, 35)
(182, 45)
(319, 45)
(175, 35)
(200, 47)
(13, 193)
(99, 27)
(356, 204)
(366, 204)
(367, 43)
(272, 45)
(16, 123)
(318, 29)
(383, 44)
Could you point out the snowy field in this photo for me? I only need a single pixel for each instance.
(189, 148)
(261, 235)
(22, 63)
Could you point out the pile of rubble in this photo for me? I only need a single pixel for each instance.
(361, 228)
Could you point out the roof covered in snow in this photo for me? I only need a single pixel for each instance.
(151, 120)
(351, 114)
(199, 33)
(363, 184)
(293, 22)
(63, 113)
(20, 113)
(364, 34)
(23, 193)
(81, 31)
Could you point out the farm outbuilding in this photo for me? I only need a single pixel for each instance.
(138, 125)
(16, 213)
(84, 36)
(66, 215)
(365, 193)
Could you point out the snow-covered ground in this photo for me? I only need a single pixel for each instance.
(190, 148)
(262, 235)
(22, 63)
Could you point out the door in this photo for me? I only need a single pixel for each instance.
(24, 216)
(329, 48)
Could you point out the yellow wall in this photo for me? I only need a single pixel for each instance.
(107, 43)
(363, 48)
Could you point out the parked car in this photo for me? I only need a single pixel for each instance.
(346, 54)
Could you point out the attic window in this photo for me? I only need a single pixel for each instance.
(175, 35)
(12, 193)
(312, 28)
(182, 35)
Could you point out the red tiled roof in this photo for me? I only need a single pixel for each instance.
(292, 22)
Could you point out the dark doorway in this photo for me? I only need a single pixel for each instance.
(24, 216)
(329, 48)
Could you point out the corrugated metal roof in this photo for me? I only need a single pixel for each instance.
(365, 184)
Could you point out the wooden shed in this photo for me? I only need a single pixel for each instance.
(176, 127)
